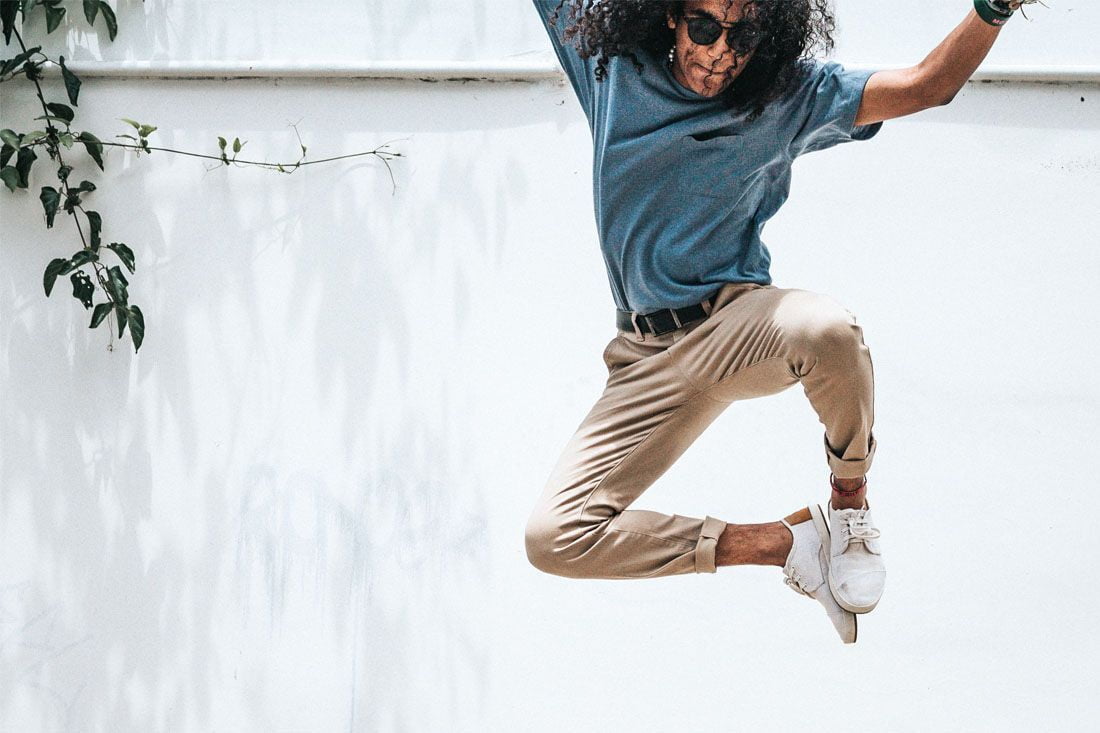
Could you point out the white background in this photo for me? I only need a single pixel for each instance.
(300, 507)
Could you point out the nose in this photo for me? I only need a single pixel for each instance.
(720, 49)
(721, 57)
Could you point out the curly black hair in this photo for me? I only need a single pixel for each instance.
(788, 32)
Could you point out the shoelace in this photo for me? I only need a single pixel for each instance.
(796, 581)
(859, 527)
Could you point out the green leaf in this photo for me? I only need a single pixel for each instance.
(116, 284)
(100, 313)
(56, 267)
(137, 326)
(50, 199)
(66, 139)
(83, 289)
(236, 145)
(10, 177)
(16, 61)
(33, 70)
(11, 137)
(221, 142)
(63, 111)
(109, 18)
(91, 7)
(64, 171)
(124, 253)
(7, 19)
(146, 129)
(52, 117)
(72, 82)
(72, 200)
(6, 151)
(136, 125)
(53, 17)
(94, 146)
(86, 186)
(95, 223)
(23, 163)
(120, 313)
(83, 257)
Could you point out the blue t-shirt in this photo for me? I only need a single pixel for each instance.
(682, 188)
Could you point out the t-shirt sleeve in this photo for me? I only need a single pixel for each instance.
(825, 108)
(581, 72)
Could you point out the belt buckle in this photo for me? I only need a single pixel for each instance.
(675, 318)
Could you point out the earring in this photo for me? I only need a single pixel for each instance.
(671, 54)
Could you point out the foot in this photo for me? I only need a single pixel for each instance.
(857, 574)
(807, 567)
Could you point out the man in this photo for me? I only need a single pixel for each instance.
(697, 109)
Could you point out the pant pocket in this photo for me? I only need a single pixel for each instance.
(607, 352)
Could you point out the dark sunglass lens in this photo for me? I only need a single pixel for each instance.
(745, 32)
(703, 31)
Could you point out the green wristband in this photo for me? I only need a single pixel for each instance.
(989, 14)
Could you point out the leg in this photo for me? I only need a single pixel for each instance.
(645, 419)
(754, 544)
(798, 335)
(772, 336)
(662, 392)
(647, 416)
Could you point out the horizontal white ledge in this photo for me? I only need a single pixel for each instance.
(493, 70)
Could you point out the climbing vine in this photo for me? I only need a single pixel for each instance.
(58, 137)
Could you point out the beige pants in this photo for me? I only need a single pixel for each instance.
(661, 393)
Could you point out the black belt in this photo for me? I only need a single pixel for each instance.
(664, 320)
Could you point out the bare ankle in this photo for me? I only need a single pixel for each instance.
(848, 493)
(849, 502)
(754, 544)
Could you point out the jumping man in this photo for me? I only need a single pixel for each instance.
(697, 109)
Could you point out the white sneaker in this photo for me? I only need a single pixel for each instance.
(857, 574)
(807, 567)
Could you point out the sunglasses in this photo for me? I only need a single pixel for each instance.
(704, 31)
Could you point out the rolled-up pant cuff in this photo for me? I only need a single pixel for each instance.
(850, 468)
(707, 545)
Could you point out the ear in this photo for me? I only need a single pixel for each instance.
(668, 19)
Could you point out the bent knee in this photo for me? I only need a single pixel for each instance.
(540, 538)
(549, 548)
(824, 325)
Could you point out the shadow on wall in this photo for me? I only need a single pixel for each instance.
(157, 496)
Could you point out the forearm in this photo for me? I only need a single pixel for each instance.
(946, 69)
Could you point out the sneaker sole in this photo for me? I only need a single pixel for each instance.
(825, 538)
(822, 526)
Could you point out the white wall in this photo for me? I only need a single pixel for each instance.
(450, 30)
(301, 505)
